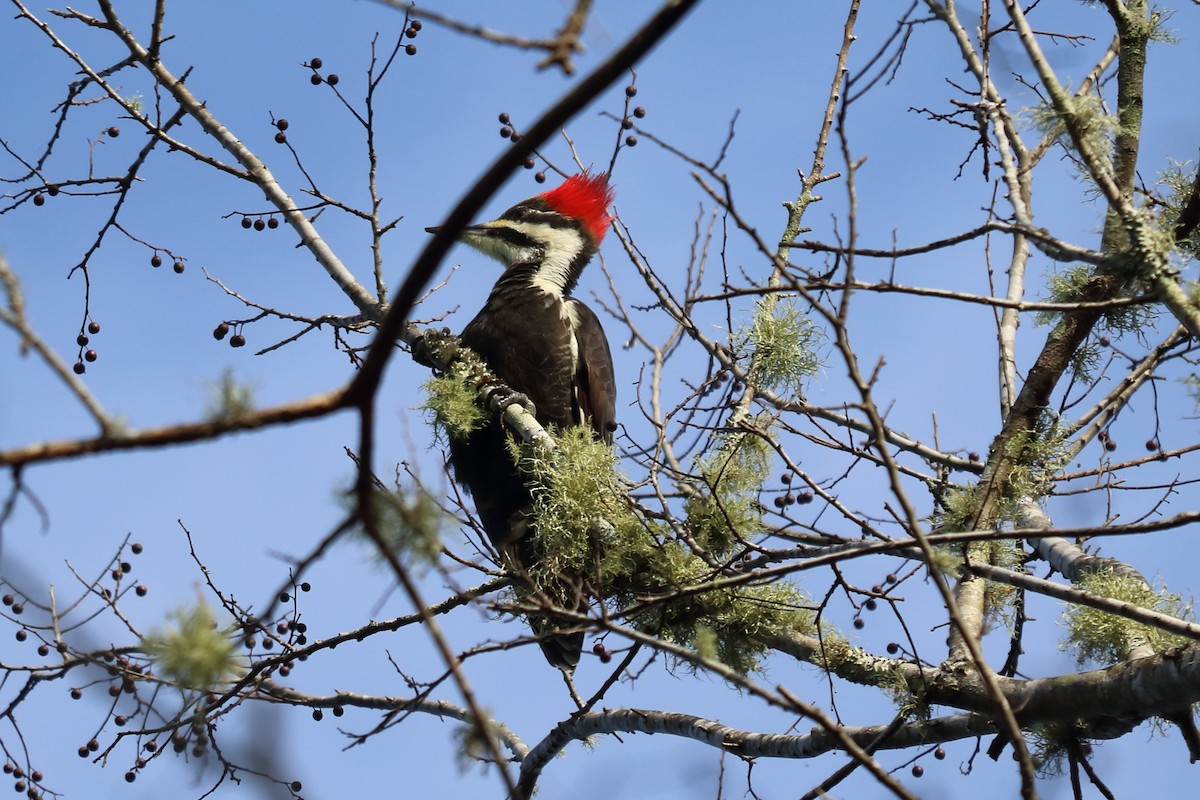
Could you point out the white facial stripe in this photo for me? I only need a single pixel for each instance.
(560, 246)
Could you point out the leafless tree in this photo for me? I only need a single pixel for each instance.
(762, 504)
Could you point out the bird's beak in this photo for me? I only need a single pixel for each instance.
(466, 229)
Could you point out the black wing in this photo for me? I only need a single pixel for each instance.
(595, 384)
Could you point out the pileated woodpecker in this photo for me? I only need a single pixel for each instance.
(547, 345)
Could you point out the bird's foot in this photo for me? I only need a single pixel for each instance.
(500, 397)
(431, 350)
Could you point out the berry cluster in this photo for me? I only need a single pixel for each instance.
(30, 787)
(789, 497)
(510, 132)
(156, 262)
(82, 340)
(222, 330)
(315, 79)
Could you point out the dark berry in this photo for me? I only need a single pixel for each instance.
(81, 340)
(530, 163)
(297, 786)
(410, 32)
(639, 112)
(332, 80)
(504, 118)
(7, 599)
(598, 648)
(136, 548)
(605, 657)
(316, 63)
(156, 260)
(221, 331)
(281, 124)
(338, 711)
(259, 224)
(18, 609)
(1104, 341)
(859, 622)
(90, 355)
(318, 714)
(917, 770)
(315, 80)
(83, 752)
(516, 137)
(870, 604)
(411, 49)
(237, 340)
(893, 648)
(178, 267)
(284, 597)
(52, 190)
(130, 776)
(114, 131)
(272, 223)
(415, 24)
(973, 456)
(93, 328)
(119, 720)
(141, 590)
(79, 368)
(779, 501)
(93, 745)
(1152, 445)
(539, 177)
(630, 91)
(43, 650)
(627, 123)
(506, 132)
(1110, 444)
(785, 477)
(39, 199)
(246, 222)
(281, 138)
(22, 635)
(306, 586)
(939, 754)
(76, 693)
(804, 498)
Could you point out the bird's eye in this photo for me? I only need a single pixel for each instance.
(518, 212)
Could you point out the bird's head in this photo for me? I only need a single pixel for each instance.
(555, 232)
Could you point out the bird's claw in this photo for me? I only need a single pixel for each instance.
(501, 397)
(431, 349)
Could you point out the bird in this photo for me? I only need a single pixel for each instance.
(546, 345)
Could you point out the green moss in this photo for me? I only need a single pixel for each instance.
(194, 652)
(228, 399)
(408, 521)
(726, 509)
(451, 401)
(586, 527)
(779, 345)
(731, 624)
(585, 524)
(1098, 636)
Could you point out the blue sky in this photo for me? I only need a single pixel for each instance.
(250, 499)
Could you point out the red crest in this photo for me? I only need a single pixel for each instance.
(586, 198)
